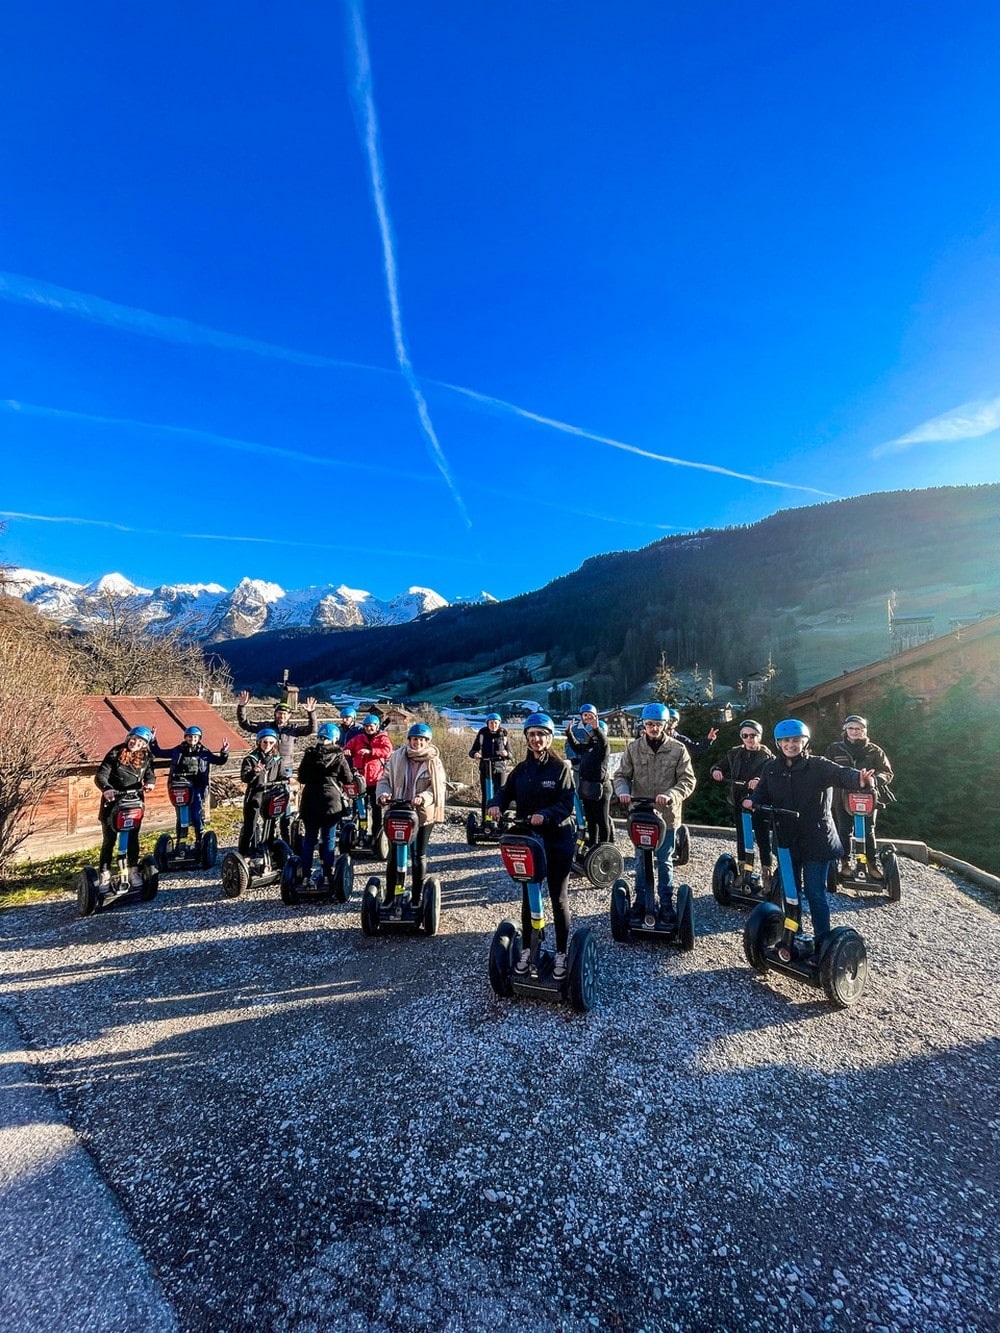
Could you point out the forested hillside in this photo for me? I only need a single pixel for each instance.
(725, 599)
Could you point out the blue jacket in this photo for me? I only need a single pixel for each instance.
(541, 789)
(805, 784)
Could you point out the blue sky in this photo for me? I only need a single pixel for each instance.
(432, 294)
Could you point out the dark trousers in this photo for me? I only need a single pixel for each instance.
(251, 813)
(418, 862)
(374, 813)
(844, 821)
(559, 846)
(597, 817)
(108, 840)
(323, 832)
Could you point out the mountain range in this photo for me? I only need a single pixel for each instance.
(209, 613)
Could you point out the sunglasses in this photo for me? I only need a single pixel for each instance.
(747, 735)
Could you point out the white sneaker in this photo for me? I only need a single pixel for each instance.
(104, 879)
(559, 967)
(524, 962)
(135, 878)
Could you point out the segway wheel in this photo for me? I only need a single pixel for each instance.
(843, 967)
(471, 828)
(431, 905)
(347, 837)
(762, 931)
(505, 944)
(619, 911)
(685, 919)
(150, 879)
(724, 877)
(582, 966)
(380, 846)
(86, 892)
(890, 869)
(342, 879)
(209, 851)
(682, 846)
(235, 875)
(290, 873)
(603, 864)
(369, 907)
(161, 852)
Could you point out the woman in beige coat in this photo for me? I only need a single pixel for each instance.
(414, 773)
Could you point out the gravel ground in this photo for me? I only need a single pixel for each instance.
(307, 1129)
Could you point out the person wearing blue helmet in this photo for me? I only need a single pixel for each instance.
(743, 764)
(540, 787)
(349, 725)
(592, 748)
(323, 771)
(127, 767)
(656, 767)
(797, 780)
(492, 748)
(414, 772)
(368, 751)
(192, 761)
(260, 768)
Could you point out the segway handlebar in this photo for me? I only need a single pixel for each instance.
(776, 810)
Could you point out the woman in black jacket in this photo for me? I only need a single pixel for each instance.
(323, 772)
(260, 768)
(541, 787)
(592, 781)
(743, 764)
(126, 768)
(803, 782)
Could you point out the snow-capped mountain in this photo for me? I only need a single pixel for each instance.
(210, 613)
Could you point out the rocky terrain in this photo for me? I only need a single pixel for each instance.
(308, 1129)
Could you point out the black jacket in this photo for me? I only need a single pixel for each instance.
(862, 754)
(122, 777)
(805, 784)
(593, 764)
(323, 771)
(256, 782)
(286, 734)
(740, 765)
(541, 789)
(187, 761)
(493, 746)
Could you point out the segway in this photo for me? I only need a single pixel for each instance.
(602, 863)
(395, 911)
(648, 829)
(354, 834)
(176, 853)
(482, 828)
(524, 860)
(861, 805)
(126, 816)
(735, 881)
(265, 861)
(773, 938)
(321, 886)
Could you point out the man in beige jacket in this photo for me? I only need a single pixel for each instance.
(659, 768)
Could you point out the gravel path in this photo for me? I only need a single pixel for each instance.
(307, 1129)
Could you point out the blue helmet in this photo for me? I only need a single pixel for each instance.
(347, 713)
(673, 714)
(194, 732)
(143, 733)
(418, 729)
(655, 713)
(267, 734)
(588, 708)
(493, 717)
(371, 720)
(539, 722)
(791, 727)
(328, 731)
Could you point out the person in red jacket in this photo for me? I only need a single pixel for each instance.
(368, 752)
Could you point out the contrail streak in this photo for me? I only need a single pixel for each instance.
(131, 319)
(487, 401)
(363, 99)
(192, 436)
(225, 537)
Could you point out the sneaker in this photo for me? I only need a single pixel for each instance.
(559, 967)
(104, 879)
(524, 962)
(805, 946)
(135, 878)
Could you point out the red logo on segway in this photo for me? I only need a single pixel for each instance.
(519, 862)
(399, 828)
(277, 805)
(180, 793)
(861, 802)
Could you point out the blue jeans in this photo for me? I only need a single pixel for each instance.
(810, 880)
(664, 871)
(325, 834)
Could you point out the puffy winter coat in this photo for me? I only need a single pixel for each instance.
(323, 771)
(862, 754)
(805, 784)
(665, 770)
(368, 754)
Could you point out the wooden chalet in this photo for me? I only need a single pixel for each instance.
(67, 817)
